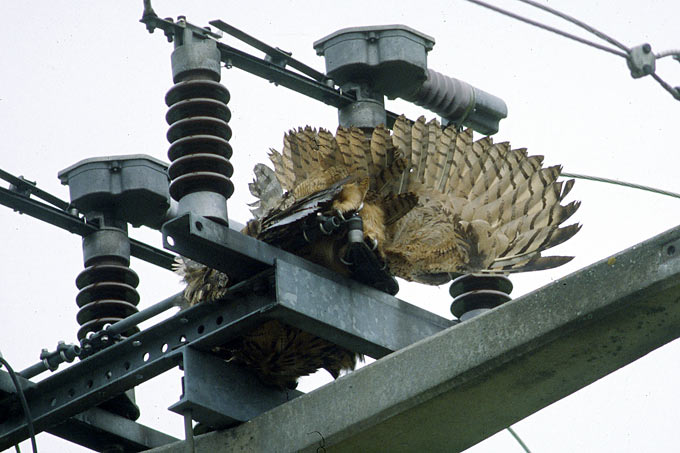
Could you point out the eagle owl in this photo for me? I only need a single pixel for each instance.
(433, 204)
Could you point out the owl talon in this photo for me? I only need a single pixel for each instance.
(345, 262)
(373, 243)
(339, 213)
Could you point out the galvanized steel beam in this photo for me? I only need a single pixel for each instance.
(98, 430)
(353, 316)
(94, 428)
(221, 394)
(347, 313)
(460, 386)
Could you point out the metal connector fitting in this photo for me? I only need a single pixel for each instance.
(641, 61)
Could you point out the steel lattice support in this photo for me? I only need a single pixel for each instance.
(443, 393)
(352, 315)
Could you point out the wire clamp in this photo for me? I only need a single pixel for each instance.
(63, 353)
(641, 61)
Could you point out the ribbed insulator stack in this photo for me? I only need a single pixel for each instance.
(107, 285)
(474, 295)
(199, 135)
(199, 132)
(112, 192)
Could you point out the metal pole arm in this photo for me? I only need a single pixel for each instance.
(76, 225)
(159, 348)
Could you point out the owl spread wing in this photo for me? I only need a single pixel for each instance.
(432, 202)
(483, 207)
(436, 202)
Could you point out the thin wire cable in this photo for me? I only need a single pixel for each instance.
(549, 28)
(518, 439)
(622, 183)
(33, 189)
(24, 404)
(577, 22)
(668, 53)
(673, 91)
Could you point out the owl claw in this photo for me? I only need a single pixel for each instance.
(374, 243)
(340, 214)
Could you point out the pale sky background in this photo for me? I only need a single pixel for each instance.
(80, 79)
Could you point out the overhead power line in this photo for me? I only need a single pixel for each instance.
(621, 183)
(548, 28)
(518, 439)
(577, 22)
(640, 59)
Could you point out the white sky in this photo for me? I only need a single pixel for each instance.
(79, 80)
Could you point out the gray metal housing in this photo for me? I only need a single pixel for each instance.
(133, 187)
(391, 60)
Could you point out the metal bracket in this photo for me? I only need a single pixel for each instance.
(74, 224)
(308, 296)
(98, 429)
(274, 55)
(173, 29)
(641, 61)
(325, 304)
(307, 81)
(217, 405)
(94, 428)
